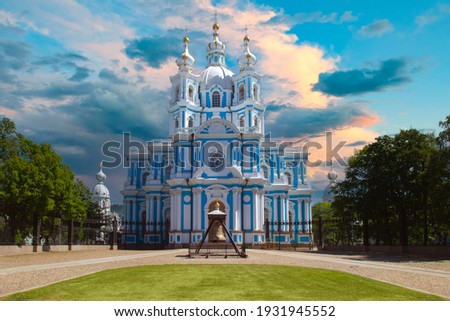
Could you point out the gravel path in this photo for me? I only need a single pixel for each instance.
(23, 272)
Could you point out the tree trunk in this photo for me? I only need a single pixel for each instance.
(403, 228)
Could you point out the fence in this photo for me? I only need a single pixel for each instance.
(66, 234)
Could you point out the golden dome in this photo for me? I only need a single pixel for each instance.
(216, 26)
(186, 39)
(246, 38)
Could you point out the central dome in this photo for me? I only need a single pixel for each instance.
(217, 75)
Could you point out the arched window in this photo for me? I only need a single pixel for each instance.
(177, 122)
(265, 171)
(241, 92)
(289, 179)
(216, 99)
(255, 92)
(191, 93)
(144, 178)
(190, 122)
(242, 121)
(177, 93)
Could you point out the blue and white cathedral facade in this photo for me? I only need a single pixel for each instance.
(217, 151)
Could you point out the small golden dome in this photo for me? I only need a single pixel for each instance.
(246, 38)
(186, 39)
(216, 26)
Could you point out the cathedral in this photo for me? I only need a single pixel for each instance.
(217, 154)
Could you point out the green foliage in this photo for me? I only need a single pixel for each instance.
(336, 230)
(399, 187)
(213, 282)
(323, 210)
(36, 186)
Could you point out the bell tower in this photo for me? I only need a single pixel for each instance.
(247, 99)
(184, 107)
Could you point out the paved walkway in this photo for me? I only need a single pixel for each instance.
(19, 273)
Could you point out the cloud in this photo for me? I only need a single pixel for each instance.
(357, 143)
(13, 57)
(57, 91)
(66, 61)
(290, 122)
(317, 17)
(156, 50)
(83, 86)
(392, 72)
(376, 29)
(111, 76)
(153, 50)
(433, 15)
(81, 73)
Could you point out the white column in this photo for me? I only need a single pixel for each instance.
(275, 211)
(172, 210)
(197, 209)
(261, 209)
(255, 213)
(286, 212)
(236, 208)
(178, 208)
(309, 217)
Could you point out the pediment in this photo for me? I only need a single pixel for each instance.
(217, 126)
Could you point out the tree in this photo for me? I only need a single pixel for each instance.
(398, 187)
(36, 189)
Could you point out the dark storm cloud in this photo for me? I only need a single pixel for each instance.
(57, 91)
(111, 76)
(66, 61)
(392, 72)
(155, 50)
(73, 56)
(13, 57)
(80, 74)
(290, 121)
(357, 143)
(14, 49)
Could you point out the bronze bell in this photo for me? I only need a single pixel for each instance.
(220, 237)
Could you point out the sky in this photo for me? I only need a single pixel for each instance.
(76, 74)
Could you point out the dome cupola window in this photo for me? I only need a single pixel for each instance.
(216, 99)
(242, 121)
(191, 93)
(241, 92)
(255, 92)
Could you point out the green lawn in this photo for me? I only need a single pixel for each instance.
(221, 282)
